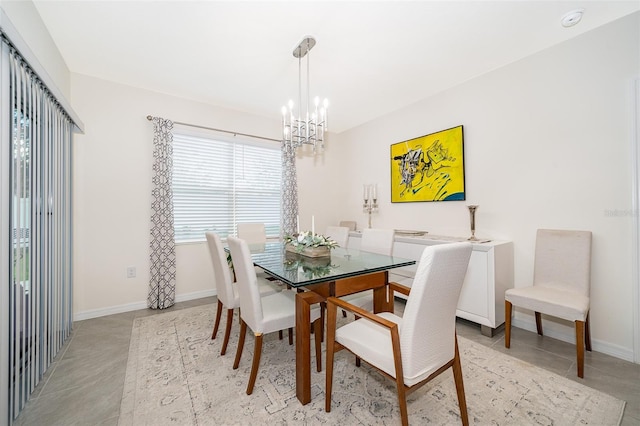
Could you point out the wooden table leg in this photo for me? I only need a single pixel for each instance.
(303, 344)
(380, 295)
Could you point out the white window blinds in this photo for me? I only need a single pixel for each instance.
(219, 183)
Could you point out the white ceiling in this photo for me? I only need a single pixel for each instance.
(371, 57)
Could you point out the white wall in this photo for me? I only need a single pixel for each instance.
(112, 193)
(547, 144)
(26, 19)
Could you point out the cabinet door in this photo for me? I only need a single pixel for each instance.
(474, 293)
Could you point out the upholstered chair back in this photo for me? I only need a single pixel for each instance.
(377, 241)
(351, 224)
(247, 282)
(428, 326)
(221, 271)
(339, 234)
(252, 233)
(563, 260)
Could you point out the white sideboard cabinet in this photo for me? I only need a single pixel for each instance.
(489, 275)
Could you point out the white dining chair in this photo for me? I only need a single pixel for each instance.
(226, 290)
(339, 234)
(377, 241)
(252, 233)
(417, 347)
(561, 286)
(264, 315)
(374, 241)
(351, 224)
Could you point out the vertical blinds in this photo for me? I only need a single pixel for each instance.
(40, 311)
(219, 183)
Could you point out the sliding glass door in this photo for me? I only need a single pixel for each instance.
(36, 196)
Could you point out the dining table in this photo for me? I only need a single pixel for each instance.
(344, 271)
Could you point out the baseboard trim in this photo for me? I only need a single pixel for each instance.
(95, 313)
(597, 345)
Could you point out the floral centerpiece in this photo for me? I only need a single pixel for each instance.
(309, 244)
(310, 267)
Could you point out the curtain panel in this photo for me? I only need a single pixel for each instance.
(289, 206)
(162, 284)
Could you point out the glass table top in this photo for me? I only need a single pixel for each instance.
(298, 271)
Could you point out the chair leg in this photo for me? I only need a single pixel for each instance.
(507, 323)
(317, 334)
(243, 331)
(358, 361)
(257, 353)
(290, 336)
(279, 334)
(399, 372)
(227, 331)
(331, 339)
(580, 347)
(539, 323)
(323, 309)
(457, 376)
(402, 401)
(587, 333)
(217, 323)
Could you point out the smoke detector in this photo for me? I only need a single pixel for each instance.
(572, 18)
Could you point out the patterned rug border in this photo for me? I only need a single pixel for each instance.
(167, 383)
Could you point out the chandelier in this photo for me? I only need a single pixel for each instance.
(307, 129)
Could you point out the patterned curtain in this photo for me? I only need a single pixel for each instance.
(289, 190)
(162, 285)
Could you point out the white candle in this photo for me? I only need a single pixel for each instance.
(298, 224)
(366, 192)
(374, 191)
(313, 225)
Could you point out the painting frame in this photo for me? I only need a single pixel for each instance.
(429, 168)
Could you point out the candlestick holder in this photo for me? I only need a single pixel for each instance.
(370, 206)
(472, 217)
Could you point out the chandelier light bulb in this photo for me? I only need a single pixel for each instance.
(316, 101)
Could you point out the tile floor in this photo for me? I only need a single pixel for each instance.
(84, 384)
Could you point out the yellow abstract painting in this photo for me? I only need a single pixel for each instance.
(428, 168)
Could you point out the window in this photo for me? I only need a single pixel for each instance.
(218, 183)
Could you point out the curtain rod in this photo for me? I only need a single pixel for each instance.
(221, 130)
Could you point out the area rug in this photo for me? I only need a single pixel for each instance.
(175, 375)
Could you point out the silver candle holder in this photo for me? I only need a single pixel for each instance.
(370, 204)
(472, 217)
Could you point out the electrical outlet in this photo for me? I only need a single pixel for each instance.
(131, 272)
